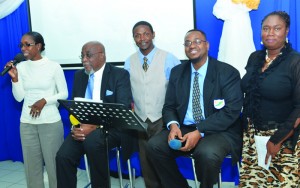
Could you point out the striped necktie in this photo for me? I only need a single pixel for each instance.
(197, 112)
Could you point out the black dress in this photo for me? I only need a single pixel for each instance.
(272, 103)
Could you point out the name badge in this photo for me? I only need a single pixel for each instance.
(219, 103)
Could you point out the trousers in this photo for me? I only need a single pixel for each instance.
(150, 177)
(40, 142)
(69, 155)
(209, 154)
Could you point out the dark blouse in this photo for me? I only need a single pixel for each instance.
(273, 95)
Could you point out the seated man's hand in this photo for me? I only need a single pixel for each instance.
(83, 131)
(175, 132)
(191, 140)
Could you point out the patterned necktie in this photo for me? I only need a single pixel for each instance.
(90, 87)
(197, 112)
(145, 65)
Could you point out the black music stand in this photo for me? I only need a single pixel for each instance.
(104, 114)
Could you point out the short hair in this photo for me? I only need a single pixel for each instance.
(198, 30)
(282, 14)
(37, 37)
(142, 23)
(97, 43)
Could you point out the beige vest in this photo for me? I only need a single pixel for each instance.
(148, 88)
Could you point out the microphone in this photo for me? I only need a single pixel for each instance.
(176, 144)
(18, 58)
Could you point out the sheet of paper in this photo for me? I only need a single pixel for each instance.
(261, 148)
(86, 100)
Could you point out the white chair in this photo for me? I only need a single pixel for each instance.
(194, 171)
(131, 172)
(87, 169)
(220, 173)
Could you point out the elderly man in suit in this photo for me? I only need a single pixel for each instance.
(202, 108)
(110, 85)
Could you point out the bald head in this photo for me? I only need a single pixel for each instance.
(93, 54)
(95, 44)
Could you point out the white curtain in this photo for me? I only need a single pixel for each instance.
(8, 6)
(236, 42)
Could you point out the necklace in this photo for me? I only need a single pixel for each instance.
(269, 61)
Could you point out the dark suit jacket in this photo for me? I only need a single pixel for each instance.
(117, 81)
(222, 81)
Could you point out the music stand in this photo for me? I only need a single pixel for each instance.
(104, 114)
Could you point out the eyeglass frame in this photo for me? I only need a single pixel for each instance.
(88, 55)
(21, 45)
(188, 43)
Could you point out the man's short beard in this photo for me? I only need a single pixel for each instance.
(196, 60)
(89, 72)
(87, 64)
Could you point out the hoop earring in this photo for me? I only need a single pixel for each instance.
(261, 42)
(286, 40)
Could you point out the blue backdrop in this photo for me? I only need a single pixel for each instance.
(16, 24)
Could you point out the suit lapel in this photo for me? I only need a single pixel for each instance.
(185, 84)
(105, 78)
(83, 83)
(209, 85)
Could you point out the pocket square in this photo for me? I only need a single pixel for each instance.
(108, 93)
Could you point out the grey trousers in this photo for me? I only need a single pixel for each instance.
(150, 177)
(40, 142)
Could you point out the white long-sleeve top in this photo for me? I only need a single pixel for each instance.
(36, 80)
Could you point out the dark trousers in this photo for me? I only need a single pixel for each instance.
(150, 177)
(69, 155)
(208, 154)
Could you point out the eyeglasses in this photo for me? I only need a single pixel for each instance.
(21, 45)
(188, 43)
(88, 55)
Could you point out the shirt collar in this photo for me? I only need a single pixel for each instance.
(202, 70)
(100, 71)
(149, 56)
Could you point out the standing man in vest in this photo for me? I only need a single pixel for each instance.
(149, 70)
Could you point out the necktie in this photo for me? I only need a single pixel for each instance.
(145, 65)
(197, 112)
(90, 87)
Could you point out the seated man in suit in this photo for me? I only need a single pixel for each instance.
(110, 85)
(202, 107)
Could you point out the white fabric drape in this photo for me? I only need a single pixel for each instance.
(8, 6)
(236, 42)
